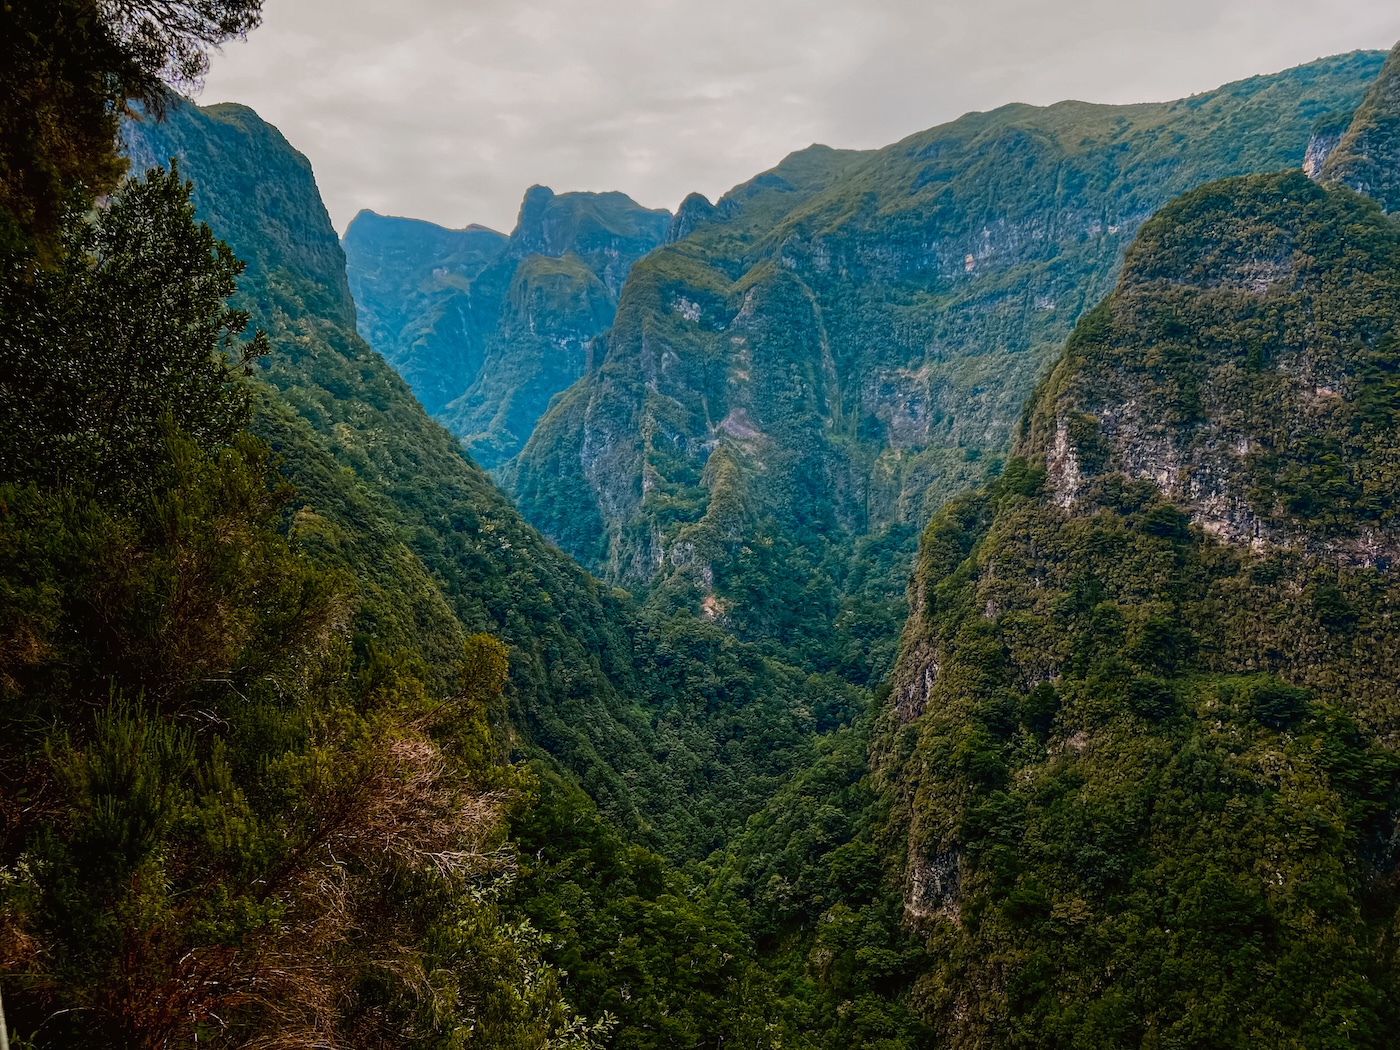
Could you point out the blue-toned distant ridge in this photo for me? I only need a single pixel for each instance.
(487, 328)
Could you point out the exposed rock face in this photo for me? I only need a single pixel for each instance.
(879, 318)
(485, 328)
(933, 888)
(1320, 147)
(1368, 156)
(1125, 655)
(1198, 436)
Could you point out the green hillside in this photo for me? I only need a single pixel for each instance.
(1142, 730)
(838, 346)
(1367, 156)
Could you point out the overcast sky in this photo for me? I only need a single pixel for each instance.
(447, 111)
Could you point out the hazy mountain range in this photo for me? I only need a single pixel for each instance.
(935, 596)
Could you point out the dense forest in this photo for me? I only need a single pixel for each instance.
(308, 737)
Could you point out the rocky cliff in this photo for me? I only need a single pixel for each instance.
(487, 328)
(1143, 729)
(837, 346)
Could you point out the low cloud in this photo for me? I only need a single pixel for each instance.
(448, 111)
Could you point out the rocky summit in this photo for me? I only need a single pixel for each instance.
(487, 328)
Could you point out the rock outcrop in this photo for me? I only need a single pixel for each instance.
(1367, 158)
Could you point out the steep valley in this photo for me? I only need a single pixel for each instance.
(807, 369)
(938, 597)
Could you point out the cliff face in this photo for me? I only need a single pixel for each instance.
(412, 282)
(487, 328)
(856, 332)
(1161, 644)
(1368, 156)
(1259, 431)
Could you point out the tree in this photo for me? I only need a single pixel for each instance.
(126, 336)
(67, 70)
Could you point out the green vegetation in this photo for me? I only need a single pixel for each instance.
(275, 652)
(224, 816)
(846, 341)
(677, 732)
(310, 739)
(1368, 156)
(1142, 729)
(67, 70)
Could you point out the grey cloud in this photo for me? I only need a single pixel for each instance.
(447, 111)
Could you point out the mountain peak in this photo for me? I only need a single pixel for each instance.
(694, 211)
(557, 223)
(1368, 157)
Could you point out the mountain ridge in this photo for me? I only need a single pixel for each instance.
(1135, 659)
(486, 339)
(853, 335)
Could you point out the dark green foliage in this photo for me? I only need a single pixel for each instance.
(104, 352)
(67, 70)
(58, 65)
(1141, 743)
(810, 876)
(1276, 704)
(1153, 698)
(676, 731)
(224, 819)
(637, 940)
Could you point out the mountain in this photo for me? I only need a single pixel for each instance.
(484, 328)
(1367, 156)
(412, 283)
(644, 741)
(311, 738)
(1142, 729)
(837, 346)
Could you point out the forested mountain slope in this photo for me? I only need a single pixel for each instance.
(1367, 157)
(412, 285)
(1143, 730)
(308, 738)
(675, 731)
(486, 329)
(837, 346)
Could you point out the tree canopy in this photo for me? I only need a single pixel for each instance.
(68, 68)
